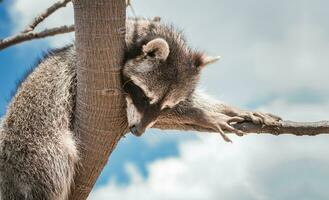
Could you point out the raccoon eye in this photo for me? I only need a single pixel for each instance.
(145, 98)
(151, 54)
(166, 107)
(137, 94)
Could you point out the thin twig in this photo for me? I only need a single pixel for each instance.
(285, 127)
(34, 35)
(128, 4)
(45, 14)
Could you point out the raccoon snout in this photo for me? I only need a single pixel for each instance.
(136, 131)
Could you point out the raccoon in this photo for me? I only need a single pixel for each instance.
(38, 151)
(160, 76)
(160, 73)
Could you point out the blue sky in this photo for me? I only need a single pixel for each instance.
(275, 58)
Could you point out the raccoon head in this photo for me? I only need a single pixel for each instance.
(161, 73)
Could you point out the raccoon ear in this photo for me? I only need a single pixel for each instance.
(157, 48)
(207, 60)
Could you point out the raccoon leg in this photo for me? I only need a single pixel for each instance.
(210, 114)
(197, 115)
(209, 105)
(218, 122)
(40, 170)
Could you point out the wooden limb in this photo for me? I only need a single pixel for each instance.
(288, 127)
(285, 127)
(100, 117)
(34, 35)
(37, 20)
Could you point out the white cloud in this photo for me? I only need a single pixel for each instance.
(266, 46)
(298, 111)
(254, 167)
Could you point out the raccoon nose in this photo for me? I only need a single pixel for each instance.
(134, 130)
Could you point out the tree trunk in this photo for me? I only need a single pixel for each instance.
(100, 118)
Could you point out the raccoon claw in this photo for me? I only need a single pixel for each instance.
(260, 118)
(274, 116)
(224, 136)
(226, 125)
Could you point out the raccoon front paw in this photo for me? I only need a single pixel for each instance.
(224, 122)
(260, 118)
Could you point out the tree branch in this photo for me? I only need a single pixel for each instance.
(27, 33)
(34, 35)
(45, 14)
(285, 127)
(288, 127)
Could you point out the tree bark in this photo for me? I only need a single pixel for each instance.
(100, 118)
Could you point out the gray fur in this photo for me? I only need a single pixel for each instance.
(37, 148)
